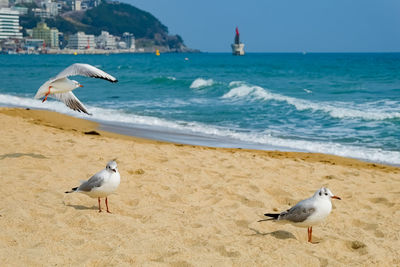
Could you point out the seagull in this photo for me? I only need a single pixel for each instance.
(101, 184)
(60, 87)
(308, 212)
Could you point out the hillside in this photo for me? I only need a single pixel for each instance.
(116, 18)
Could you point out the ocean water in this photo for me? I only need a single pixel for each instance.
(341, 104)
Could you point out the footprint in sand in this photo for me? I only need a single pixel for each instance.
(369, 227)
(133, 203)
(251, 203)
(174, 198)
(231, 254)
(379, 233)
(282, 196)
(365, 225)
(357, 246)
(381, 200)
(242, 223)
(196, 225)
(323, 262)
(254, 188)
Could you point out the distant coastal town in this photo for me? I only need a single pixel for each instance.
(44, 39)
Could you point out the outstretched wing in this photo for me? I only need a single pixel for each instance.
(85, 70)
(71, 101)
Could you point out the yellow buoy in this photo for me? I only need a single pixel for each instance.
(75, 53)
(157, 52)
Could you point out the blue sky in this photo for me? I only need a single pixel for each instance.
(282, 25)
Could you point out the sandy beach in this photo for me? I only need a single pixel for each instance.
(182, 205)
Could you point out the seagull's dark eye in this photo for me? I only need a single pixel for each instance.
(320, 193)
(326, 194)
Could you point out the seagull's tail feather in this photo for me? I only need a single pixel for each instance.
(72, 190)
(274, 216)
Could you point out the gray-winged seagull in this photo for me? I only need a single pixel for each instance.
(308, 212)
(101, 184)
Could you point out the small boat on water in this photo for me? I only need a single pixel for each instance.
(237, 46)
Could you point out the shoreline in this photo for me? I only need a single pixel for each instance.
(180, 137)
(181, 205)
(71, 123)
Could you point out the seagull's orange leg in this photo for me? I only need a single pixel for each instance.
(99, 204)
(46, 94)
(309, 234)
(107, 205)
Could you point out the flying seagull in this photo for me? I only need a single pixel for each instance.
(101, 184)
(60, 87)
(308, 212)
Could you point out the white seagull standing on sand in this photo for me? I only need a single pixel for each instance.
(101, 184)
(61, 87)
(308, 212)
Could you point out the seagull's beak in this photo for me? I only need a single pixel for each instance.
(80, 85)
(114, 170)
(336, 197)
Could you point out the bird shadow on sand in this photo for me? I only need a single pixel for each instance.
(280, 234)
(80, 207)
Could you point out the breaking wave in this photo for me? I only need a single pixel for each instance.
(201, 83)
(240, 138)
(367, 111)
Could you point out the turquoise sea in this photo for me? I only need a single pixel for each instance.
(341, 104)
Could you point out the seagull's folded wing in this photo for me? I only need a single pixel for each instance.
(71, 101)
(298, 213)
(95, 181)
(86, 70)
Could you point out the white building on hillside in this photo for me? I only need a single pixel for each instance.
(80, 40)
(40, 12)
(21, 10)
(9, 24)
(129, 39)
(50, 7)
(4, 3)
(77, 5)
(106, 41)
(54, 37)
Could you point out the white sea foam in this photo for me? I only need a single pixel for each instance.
(201, 83)
(367, 111)
(236, 83)
(266, 139)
